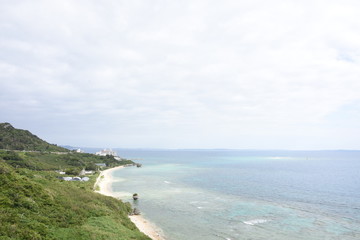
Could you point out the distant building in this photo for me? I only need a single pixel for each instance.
(106, 152)
(66, 178)
(79, 150)
(84, 172)
(84, 179)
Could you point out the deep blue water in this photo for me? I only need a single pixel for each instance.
(229, 194)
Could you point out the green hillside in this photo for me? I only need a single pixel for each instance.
(18, 139)
(37, 205)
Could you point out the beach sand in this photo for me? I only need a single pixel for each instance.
(103, 183)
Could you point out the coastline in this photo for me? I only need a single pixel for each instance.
(103, 183)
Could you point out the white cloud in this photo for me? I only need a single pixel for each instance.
(245, 74)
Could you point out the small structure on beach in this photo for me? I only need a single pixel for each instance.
(135, 196)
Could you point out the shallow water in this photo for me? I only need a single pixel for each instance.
(222, 194)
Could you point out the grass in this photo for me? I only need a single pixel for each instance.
(37, 205)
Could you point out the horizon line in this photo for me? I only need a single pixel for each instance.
(205, 149)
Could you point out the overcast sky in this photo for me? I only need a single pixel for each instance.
(259, 74)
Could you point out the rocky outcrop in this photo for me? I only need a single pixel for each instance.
(136, 212)
(135, 196)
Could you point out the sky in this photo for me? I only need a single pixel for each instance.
(244, 74)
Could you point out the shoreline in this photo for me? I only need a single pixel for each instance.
(104, 182)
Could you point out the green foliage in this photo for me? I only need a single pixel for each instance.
(18, 139)
(71, 162)
(13, 159)
(36, 205)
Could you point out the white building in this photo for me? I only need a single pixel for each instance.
(84, 172)
(106, 152)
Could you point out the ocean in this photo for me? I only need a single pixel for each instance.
(233, 194)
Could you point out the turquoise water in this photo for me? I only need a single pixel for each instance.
(223, 194)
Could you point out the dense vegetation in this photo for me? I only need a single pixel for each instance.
(71, 161)
(18, 139)
(36, 204)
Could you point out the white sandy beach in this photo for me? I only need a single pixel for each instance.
(103, 182)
